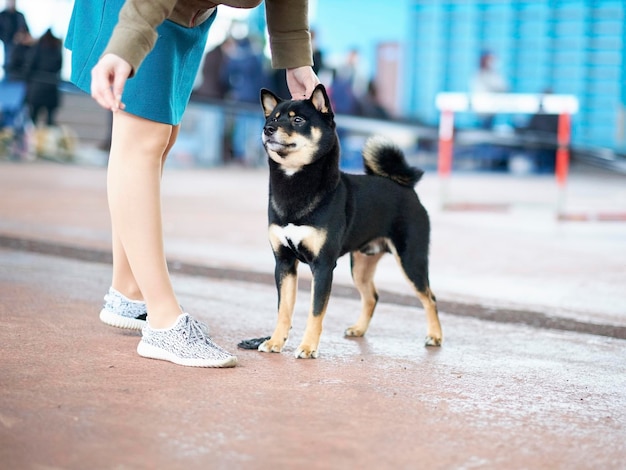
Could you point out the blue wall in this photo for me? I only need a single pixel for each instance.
(341, 25)
(569, 46)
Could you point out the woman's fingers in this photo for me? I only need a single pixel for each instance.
(301, 82)
(108, 78)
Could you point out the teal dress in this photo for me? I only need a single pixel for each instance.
(161, 87)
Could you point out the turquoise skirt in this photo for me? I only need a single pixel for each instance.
(161, 88)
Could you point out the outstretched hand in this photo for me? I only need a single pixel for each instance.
(108, 78)
(301, 82)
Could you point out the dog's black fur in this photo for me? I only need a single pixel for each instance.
(317, 213)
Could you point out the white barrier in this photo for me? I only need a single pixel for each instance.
(510, 103)
(514, 103)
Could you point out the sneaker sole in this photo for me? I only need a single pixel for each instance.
(152, 352)
(118, 321)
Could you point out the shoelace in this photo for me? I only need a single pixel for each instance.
(196, 330)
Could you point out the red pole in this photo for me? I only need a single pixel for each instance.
(444, 163)
(562, 158)
(446, 134)
(562, 153)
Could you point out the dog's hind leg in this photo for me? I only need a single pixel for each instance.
(414, 263)
(434, 336)
(286, 274)
(363, 267)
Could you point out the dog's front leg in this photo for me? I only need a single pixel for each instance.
(320, 293)
(286, 276)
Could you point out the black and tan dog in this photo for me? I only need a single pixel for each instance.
(318, 213)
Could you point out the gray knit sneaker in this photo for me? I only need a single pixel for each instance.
(122, 312)
(186, 343)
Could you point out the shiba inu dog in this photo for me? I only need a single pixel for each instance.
(318, 213)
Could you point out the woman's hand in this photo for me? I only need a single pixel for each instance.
(301, 82)
(108, 78)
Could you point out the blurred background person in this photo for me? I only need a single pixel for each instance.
(43, 77)
(318, 55)
(244, 73)
(369, 103)
(347, 85)
(13, 115)
(488, 80)
(214, 84)
(21, 51)
(12, 21)
(542, 130)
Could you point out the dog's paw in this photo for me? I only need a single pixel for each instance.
(271, 346)
(432, 341)
(306, 352)
(354, 331)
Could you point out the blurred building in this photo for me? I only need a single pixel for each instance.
(568, 46)
(417, 48)
(414, 49)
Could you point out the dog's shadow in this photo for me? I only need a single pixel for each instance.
(362, 342)
(373, 347)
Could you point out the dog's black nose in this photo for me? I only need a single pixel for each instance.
(269, 129)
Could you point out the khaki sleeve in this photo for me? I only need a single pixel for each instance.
(288, 27)
(135, 34)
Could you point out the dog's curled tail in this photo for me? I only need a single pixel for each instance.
(384, 158)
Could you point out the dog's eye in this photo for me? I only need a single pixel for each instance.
(298, 120)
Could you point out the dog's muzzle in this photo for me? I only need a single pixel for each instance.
(272, 140)
(269, 130)
(269, 137)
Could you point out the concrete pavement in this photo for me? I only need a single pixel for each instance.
(516, 257)
(541, 384)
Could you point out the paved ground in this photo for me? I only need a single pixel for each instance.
(540, 385)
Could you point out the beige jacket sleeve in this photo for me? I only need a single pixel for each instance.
(135, 34)
(287, 20)
(288, 27)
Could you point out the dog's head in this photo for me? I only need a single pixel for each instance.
(297, 132)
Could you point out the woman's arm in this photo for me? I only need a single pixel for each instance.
(135, 34)
(288, 27)
(133, 38)
(290, 44)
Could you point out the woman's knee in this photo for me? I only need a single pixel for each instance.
(136, 134)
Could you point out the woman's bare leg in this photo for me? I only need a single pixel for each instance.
(123, 279)
(134, 194)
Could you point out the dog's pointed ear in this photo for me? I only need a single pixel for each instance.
(320, 100)
(269, 101)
